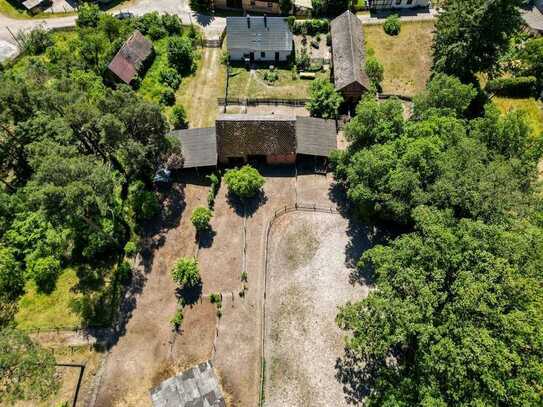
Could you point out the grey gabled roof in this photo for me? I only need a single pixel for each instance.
(315, 136)
(533, 17)
(348, 54)
(199, 146)
(258, 33)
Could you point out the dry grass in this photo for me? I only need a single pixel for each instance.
(407, 58)
(199, 92)
(301, 246)
(532, 107)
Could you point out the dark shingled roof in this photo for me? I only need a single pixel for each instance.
(348, 55)
(131, 57)
(199, 147)
(315, 136)
(195, 387)
(240, 135)
(264, 34)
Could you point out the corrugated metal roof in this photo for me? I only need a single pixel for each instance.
(348, 54)
(315, 136)
(258, 34)
(199, 147)
(130, 58)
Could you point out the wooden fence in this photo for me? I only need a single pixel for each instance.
(262, 101)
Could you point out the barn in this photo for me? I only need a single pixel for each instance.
(134, 57)
(348, 57)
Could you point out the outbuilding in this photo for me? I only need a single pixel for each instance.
(348, 57)
(134, 57)
(258, 39)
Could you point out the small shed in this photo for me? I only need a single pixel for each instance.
(133, 58)
(316, 137)
(348, 57)
(242, 136)
(36, 6)
(199, 147)
(198, 386)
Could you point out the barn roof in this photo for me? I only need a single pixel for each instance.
(128, 61)
(348, 55)
(198, 386)
(258, 33)
(199, 147)
(315, 136)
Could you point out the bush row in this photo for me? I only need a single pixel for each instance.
(308, 27)
(518, 86)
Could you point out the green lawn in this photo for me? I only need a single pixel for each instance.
(49, 311)
(13, 10)
(246, 84)
(533, 108)
(407, 58)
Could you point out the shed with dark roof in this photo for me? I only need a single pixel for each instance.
(315, 136)
(133, 58)
(258, 38)
(348, 57)
(199, 147)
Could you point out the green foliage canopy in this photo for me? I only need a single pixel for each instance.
(245, 182)
(324, 100)
(186, 273)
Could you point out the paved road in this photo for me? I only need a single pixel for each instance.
(212, 25)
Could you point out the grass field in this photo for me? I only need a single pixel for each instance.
(11, 9)
(251, 84)
(49, 311)
(407, 58)
(533, 108)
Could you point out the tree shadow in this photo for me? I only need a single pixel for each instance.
(356, 375)
(189, 295)
(205, 238)
(246, 207)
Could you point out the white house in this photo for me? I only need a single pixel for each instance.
(258, 39)
(392, 4)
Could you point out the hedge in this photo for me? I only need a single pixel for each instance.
(311, 27)
(516, 87)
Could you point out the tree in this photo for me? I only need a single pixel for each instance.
(11, 276)
(392, 25)
(471, 34)
(186, 273)
(144, 203)
(444, 95)
(178, 117)
(200, 218)
(456, 319)
(375, 71)
(27, 372)
(245, 182)
(324, 100)
(285, 6)
(181, 54)
(88, 16)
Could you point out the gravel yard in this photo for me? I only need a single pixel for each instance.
(308, 278)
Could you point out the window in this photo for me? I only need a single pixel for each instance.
(262, 55)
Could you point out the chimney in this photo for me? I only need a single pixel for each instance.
(248, 21)
(265, 21)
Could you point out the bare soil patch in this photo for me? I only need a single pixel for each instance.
(302, 341)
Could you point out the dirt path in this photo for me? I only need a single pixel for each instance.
(199, 94)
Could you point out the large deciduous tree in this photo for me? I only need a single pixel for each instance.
(471, 34)
(324, 100)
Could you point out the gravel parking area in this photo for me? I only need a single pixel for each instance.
(308, 278)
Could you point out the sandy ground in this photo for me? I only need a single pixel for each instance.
(308, 279)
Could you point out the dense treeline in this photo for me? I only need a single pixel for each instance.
(457, 314)
(77, 156)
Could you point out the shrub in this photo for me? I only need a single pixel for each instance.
(130, 249)
(177, 319)
(88, 15)
(178, 117)
(216, 298)
(245, 182)
(151, 24)
(185, 272)
(157, 32)
(44, 272)
(170, 77)
(144, 203)
(392, 25)
(172, 24)
(375, 71)
(36, 41)
(181, 54)
(214, 189)
(311, 27)
(294, 72)
(302, 60)
(200, 218)
(329, 39)
(124, 272)
(521, 86)
(167, 96)
(271, 76)
(324, 99)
